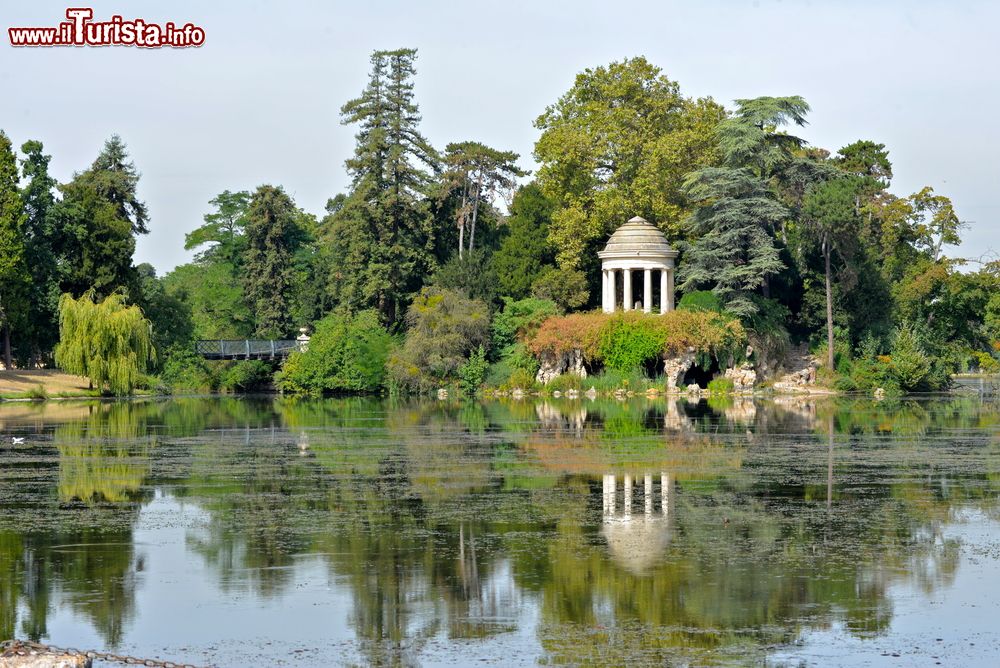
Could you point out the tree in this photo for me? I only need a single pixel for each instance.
(617, 145)
(382, 236)
(565, 287)
(443, 327)
(830, 216)
(116, 180)
(477, 173)
(867, 160)
(525, 251)
(108, 342)
(937, 224)
(739, 212)
(13, 273)
(99, 216)
(42, 244)
(224, 228)
(271, 238)
(473, 274)
(218, 309)
(734, 252)
(751, 138)
(169, 316)
(346, 354)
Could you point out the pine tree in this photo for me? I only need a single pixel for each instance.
(99, 215)
(382, 238)
(476, 174)
(738, 214)
(13, 273)
(115, 178)
(271, 237)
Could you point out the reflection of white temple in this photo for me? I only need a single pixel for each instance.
(553, 417)
(637, 537)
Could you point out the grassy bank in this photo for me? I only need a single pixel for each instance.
(42, 384)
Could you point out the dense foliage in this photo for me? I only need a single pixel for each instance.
(443, 328)
(107, 341)
(625, 341)
(793, 244)
(345, 354)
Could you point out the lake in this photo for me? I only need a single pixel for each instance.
(272, 531)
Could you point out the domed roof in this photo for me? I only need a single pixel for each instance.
(637, 543)
(637, 238)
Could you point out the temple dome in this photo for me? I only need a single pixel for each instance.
(637, 238)
(637, 543)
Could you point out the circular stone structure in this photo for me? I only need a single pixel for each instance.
(637, 246)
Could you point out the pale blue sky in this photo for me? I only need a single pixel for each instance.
(259, 102)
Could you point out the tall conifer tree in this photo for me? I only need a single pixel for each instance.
(42, 241)
(382, 238)
(13, 273)
(271, 234)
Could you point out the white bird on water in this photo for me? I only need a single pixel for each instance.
(16, 440)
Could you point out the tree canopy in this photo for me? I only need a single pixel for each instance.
(107, 341)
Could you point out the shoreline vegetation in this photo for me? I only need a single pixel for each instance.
(455, 272)
(49, 384)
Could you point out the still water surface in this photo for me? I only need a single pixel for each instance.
(270, 531)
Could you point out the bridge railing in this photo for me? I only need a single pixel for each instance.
(246, 348)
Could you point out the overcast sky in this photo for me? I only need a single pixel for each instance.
(259, 102)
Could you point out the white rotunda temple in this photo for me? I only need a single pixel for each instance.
(637, 246)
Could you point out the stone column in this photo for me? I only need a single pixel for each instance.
(627, 501)
(664, 490)
(663, 290)
(609, 495)
(612, 296)
(647, 291)
(648, 493)
(627, 288)
(604, 290)
(670, 289)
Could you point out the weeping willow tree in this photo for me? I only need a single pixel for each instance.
(108, 342)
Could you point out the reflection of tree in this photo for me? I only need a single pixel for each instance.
(259, 496)
(441, 516)
(104, 458)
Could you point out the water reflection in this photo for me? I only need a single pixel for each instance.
(590, 532)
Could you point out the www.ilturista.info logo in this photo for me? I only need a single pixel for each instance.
(80, 30)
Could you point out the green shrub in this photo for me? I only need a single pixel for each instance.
(498, 374)
(610, 380)
(521, 380)
(565, 381)
(37, 392)
(444, 327)
(247, 376)
(185, 371)
(910, 365)
(520, 320)
(626, 343)
(472, 374)
(986, 363)
(345, 354)
(721, 385)
(700, 300)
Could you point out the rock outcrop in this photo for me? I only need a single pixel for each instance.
(744, 377)
(675, 367)
(798, 372)
(551, 366)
